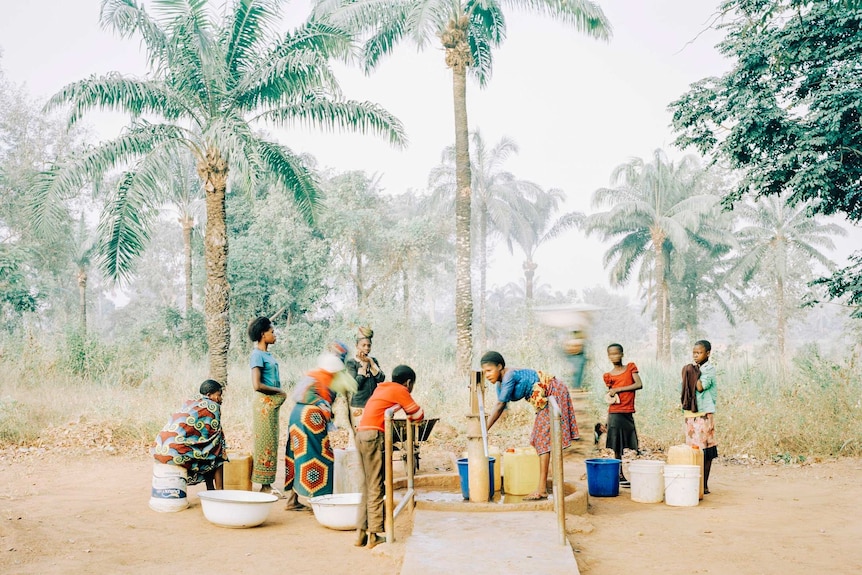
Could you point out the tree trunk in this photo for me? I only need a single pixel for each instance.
(458, 58)
(405, 283)
(213, 170)
(82, 300)
(483, 278)
(781, 317)
(529, 273)
(661, 296)
(188, 224)
(667, 325)
(360, 291)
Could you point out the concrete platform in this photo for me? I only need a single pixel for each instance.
(499, 543)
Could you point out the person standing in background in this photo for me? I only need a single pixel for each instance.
(365, 370)
(268, 398)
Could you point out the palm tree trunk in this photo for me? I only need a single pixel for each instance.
(405, 283)
(360, 292)
(188, 224)
(667, 324)
(213, 170)
(661, 295)
(458, 58)
(781, 317)
(483, 278)
(82, 300)
(529, 274)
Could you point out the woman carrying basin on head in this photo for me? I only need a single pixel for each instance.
(536, 387)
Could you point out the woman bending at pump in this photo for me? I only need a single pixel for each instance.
(536, 387)
(193, 438)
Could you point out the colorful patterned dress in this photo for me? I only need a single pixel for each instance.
(308, 458)
(265, 418)
(193, 439)
(536, 387)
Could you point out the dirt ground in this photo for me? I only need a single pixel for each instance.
(88, 514)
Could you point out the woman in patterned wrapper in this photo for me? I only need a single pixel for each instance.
(193, 438)
(309, 458)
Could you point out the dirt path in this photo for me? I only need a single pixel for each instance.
(90, 515)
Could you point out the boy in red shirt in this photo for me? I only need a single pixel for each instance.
(369, 443)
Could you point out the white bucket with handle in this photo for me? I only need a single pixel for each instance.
(682, 485)
(647, 481)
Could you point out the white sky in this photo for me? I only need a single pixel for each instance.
(576, 107)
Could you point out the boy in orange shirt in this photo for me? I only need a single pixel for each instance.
(369, 443)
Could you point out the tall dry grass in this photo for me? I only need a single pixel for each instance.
(810, 407)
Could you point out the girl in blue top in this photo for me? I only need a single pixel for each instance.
(536, 388)
(268, 398)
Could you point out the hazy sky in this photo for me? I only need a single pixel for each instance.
(576, 107)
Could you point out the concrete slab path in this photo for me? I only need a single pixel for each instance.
(499, 543)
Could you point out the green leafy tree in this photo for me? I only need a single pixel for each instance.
(655, 209)
(468, 31)
(211, 80)
(777, 244)
(787, 114)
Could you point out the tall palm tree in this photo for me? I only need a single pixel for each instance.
(468, 31)
(537, 226)
(211, 81)
(498, 200)
(655, 208)
(773, 234)
(184, 196)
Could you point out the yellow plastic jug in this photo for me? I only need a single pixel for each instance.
(687, 455)
(520, 471)
(237, 471)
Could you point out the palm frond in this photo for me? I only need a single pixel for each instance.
(246, 31)
(331, 115)
(389, 30)
(125, 224)
(116, 92)
(291, 172)
(127, 17)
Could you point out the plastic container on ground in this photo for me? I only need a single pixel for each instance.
(236, 509)
(464, 476)
(349, 477)
(687, 455)
(647, 481)
(337, 511)
(169, 488)
(520, 471)
(603, 477)
(237, 471)
(498, 468)
(680, 485)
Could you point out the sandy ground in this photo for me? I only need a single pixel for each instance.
(89, 514)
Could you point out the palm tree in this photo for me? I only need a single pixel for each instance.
(184, 195)
(776, 235)
(468, 31)
(211, 81)
(538, 226)
(499, 199)
(655, 209)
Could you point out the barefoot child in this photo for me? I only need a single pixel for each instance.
(536, 387)
(622, 381)
(268, 398)
(700, 423)
(369, 443)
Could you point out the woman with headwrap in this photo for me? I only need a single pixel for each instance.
(309, 458)
(365, 370)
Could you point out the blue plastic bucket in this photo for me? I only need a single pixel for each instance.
(603, 477)
(465, 479)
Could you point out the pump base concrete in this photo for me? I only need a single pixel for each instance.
(502, 543)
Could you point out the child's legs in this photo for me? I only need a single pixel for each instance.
(370, 447)
(544, 464)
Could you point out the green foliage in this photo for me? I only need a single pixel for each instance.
(85, 355)
(787, 115)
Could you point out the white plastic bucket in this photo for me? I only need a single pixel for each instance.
(349, 476)
(647, 481)
(682, 485)
(169, 488)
